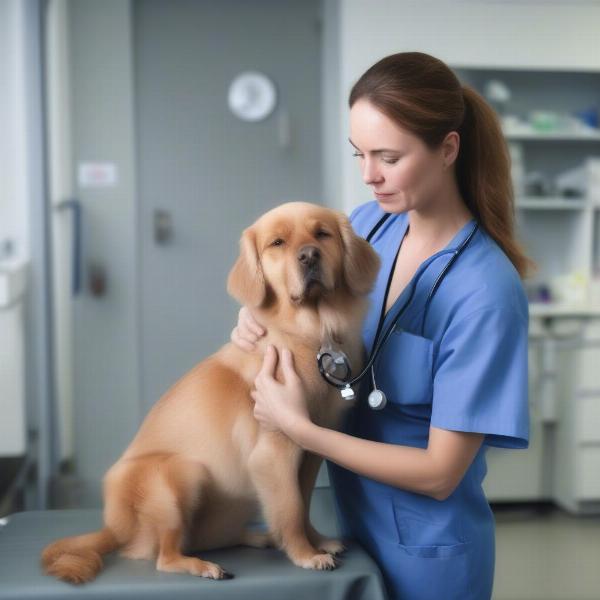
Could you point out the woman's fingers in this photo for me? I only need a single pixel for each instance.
(251, 325)
(241, 342)
(287, 363)
(269, 362)
(247, 331)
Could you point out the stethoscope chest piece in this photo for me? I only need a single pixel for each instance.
(377, 399)
(348, 393)
(334, 365)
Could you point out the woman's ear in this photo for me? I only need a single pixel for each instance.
(361, 262)
(246, 282)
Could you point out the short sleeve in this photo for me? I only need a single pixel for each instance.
(364, 216)
(480, 377)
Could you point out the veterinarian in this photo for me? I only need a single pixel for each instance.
(408, 478)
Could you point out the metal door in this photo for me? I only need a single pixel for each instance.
(203, 173)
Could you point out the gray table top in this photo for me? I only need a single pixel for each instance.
(258, 573)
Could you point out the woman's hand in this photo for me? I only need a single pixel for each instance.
(247, 331)
(279, 406)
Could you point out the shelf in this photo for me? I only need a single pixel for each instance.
(558, 309)
(592, 136)
(544, 203)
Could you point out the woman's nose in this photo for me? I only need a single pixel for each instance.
(370, 172)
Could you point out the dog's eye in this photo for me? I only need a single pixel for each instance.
(322, 234)
(277, 242)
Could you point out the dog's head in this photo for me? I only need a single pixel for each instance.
(300, 253)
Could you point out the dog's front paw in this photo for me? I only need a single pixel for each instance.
(319, 562)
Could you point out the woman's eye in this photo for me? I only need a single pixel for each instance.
(277, 242)
(388, 161)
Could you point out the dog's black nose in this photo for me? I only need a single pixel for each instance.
(309, 255)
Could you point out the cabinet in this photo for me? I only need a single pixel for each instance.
(555, 153)
(577, 434)
(523, 475)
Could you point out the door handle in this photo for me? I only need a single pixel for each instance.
(163, 226)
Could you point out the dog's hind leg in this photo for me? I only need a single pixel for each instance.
(171, 560)
(172, 511)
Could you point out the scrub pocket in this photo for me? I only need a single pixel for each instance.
(422, 537)
(404, 368)
(431, 561)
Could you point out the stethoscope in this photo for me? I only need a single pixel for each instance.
(334, 365)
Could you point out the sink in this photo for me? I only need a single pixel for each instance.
(13, 277)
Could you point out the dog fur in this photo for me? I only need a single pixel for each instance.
(201, 466)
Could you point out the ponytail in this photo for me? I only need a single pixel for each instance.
(484, 179)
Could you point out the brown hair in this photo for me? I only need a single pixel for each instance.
(423, 95)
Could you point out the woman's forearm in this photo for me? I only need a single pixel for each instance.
(404, 467)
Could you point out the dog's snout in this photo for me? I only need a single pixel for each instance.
(309, 255)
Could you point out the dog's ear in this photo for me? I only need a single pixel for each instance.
(246, 282)
(361, 261)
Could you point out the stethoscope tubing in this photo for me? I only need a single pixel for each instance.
(382, 340)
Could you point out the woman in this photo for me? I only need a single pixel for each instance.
(407, 478)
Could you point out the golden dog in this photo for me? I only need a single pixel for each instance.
(201, 466)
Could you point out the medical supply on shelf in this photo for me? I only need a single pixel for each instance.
(498, 95)
(571, 288)
(544, 120)
(573, 183)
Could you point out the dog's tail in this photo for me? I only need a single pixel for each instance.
(78, 559)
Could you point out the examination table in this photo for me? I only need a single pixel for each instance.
(265, 574)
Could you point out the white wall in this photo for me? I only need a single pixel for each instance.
(13, 183)
(22, 208)
(477, 33)
(331, 123)
(13, 220)
(21, 222)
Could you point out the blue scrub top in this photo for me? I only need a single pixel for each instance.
(466, 371)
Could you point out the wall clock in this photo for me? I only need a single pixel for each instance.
(252, 96)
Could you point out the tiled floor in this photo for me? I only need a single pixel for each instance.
(549, 555)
